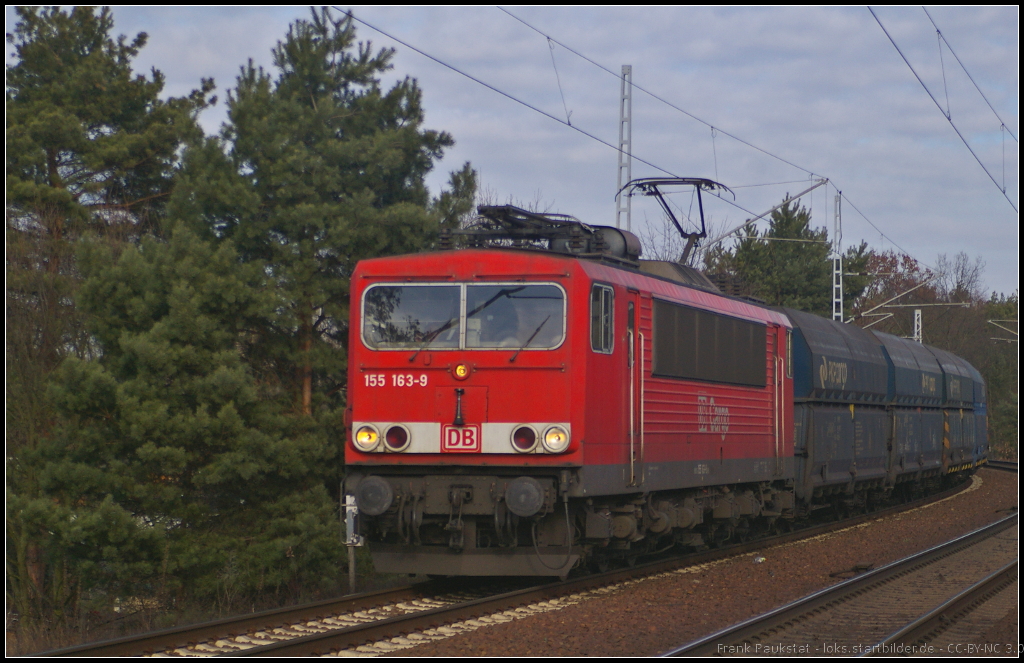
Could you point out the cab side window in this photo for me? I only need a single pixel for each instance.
(602, 325)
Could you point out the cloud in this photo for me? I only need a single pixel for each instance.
(821, 87)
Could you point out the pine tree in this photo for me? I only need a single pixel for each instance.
(789, 264)
(89, 144)
(323, 168)
(91, 148)
(168, 475)
(191, 444)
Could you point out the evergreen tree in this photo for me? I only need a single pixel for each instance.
(789, 265)
(192, 448)
(168, 475)
(323, 168)
(91, 147)
(89, 144)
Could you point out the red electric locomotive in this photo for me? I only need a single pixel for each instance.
(518, 410)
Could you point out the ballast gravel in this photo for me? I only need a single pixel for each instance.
(653, 615)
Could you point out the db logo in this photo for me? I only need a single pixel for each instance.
(460, 439)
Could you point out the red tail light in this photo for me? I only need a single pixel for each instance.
(396, 438)
(524, 439)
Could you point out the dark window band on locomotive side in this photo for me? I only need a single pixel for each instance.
(693, 344)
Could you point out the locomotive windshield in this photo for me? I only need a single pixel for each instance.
(412, 316)
(513, 316)
(492, 316)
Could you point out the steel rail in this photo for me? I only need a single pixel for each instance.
(1003, 465)
(711, 644)
(942, 617)
(182, 636)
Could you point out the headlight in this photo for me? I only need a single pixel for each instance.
(556, 440)
(366, 438)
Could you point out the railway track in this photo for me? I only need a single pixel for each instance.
(1004, 465)
(949, 627)
(285, 623)
(420, 612)
(856, 616)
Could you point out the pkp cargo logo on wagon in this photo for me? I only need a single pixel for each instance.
(460, 439)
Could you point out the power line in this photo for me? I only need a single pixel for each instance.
(530, 106)
(943, 38)
(944, 113)
(662, 100)
(750, 186)
(534, 108)
(502, 92)
(871, 223)
(568, 113)
(603, 142)
(708, 124)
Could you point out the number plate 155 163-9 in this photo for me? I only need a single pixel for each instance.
(396, 380)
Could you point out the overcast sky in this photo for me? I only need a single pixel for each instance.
(822, 88)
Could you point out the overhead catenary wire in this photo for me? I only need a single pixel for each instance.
(661, 99)
(871, 223)
(593, 137)
(520, 101)
(976, 86)
(568, 113)
(1003, 129)
(502, 92)
(754, 219)
(811, 173)
(945, 87)
(750, 186)
(1002, 189)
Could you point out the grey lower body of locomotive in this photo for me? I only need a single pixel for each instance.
(517, 521)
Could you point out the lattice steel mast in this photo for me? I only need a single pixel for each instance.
(622, 202)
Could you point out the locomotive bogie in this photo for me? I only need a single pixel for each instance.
(693, 519)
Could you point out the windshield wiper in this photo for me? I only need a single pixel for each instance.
(504, 292)
(433, 335)
(530, 340)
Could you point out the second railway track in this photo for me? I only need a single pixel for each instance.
(858, 616)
